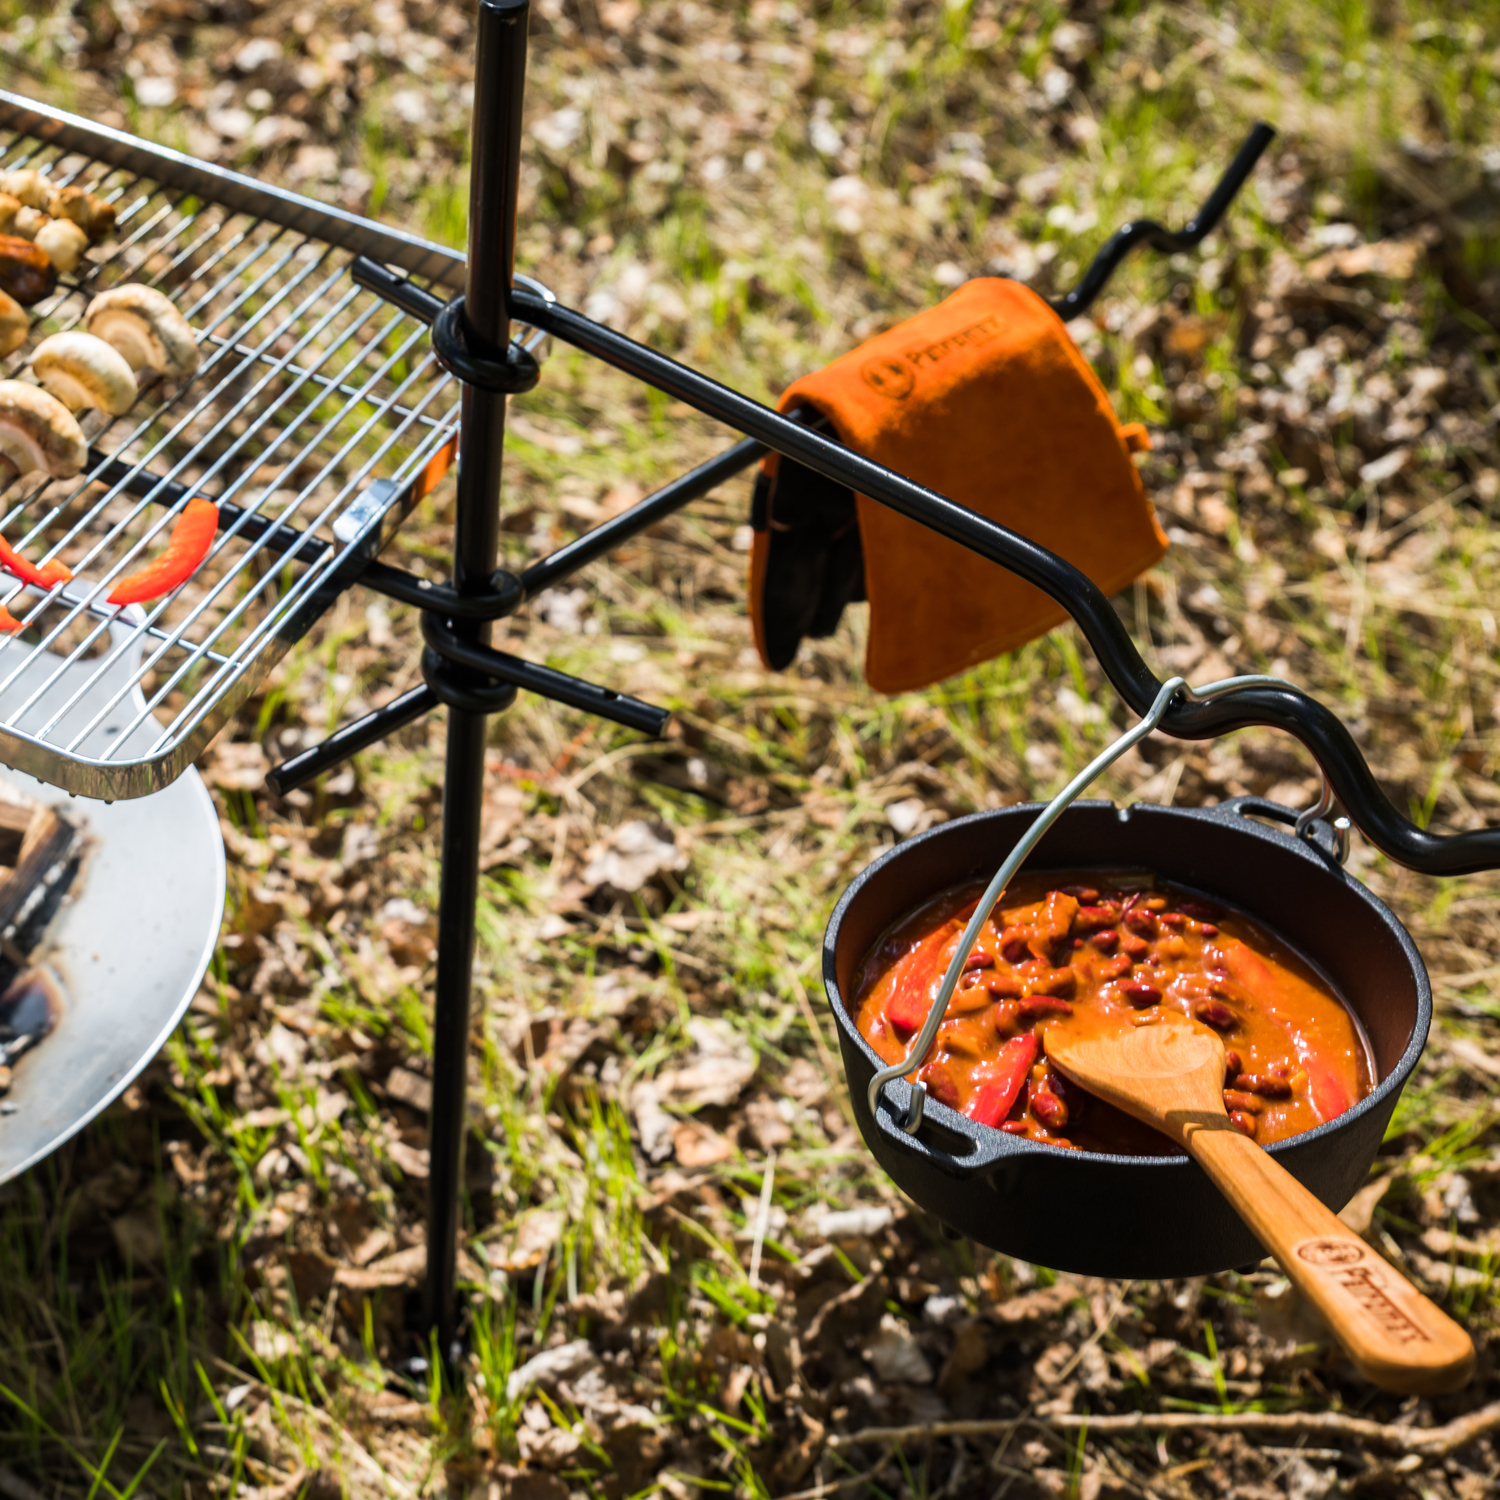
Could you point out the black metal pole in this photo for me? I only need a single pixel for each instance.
(499, 86)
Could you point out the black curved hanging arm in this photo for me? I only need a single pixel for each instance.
(1287, 709)
(1148, 232)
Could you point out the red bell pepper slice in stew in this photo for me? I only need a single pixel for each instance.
(923, 967)
(913, 998)
(191, 538)
(994, 1099)
(46, 577)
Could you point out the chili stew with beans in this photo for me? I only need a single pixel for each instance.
(1104, 946)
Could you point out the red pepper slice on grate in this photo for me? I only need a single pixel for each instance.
(9, 624)
(46, 577)
(191, 538)
(993, 1099)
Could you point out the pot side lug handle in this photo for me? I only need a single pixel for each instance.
(1326, 837)
(974, 1163)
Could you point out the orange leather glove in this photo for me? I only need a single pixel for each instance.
(985, 399)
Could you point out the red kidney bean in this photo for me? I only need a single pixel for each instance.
(1035, 1007)
(1138, 919)
(1085, 895)
(1116, 968)
(941, 1084)
(1136, 947)
(978, 960)
(1232, 1064)
(1015, 945)
(1242, 1122)
(1049, 1109)
(1139, 993)
(1074, 1097)
(1106, 941)
(1265, 1085)
(1006, 1018)
(1013, 1127)
(1236, 1099)
(1200, 909)
(1205, 929)
(1216, 1014)
(1172, 919)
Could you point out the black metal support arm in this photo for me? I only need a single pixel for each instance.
(1288, 709)
(487, 662)
(440, 602)
(502, 597)
(1140, 232)
(142, 484)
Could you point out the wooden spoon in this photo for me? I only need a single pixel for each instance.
(1170, 1073)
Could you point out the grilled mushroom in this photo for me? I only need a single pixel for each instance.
(81, 370)
(33, 188)
(28, 222)
(94, 215)
(38, 432)
(64, 243)
(144, 326)
(14, 325)
(9, 208)
(26, 273)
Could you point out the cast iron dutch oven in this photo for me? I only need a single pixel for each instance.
(1106, 1215)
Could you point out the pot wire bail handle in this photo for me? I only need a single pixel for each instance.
(922, 1044)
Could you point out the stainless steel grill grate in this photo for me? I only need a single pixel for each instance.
(317, 417)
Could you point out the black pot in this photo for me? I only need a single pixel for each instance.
(1106, 1215)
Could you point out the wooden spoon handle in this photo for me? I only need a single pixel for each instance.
(1396, 1337)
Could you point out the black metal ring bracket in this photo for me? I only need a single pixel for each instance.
(504, 596)
(457, 686)
(470, 666)
(517, 372)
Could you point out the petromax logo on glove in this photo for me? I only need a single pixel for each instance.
(889, 377)
(896, 377)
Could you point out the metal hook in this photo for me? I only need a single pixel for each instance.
(1320, 809)
(1303, 829)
